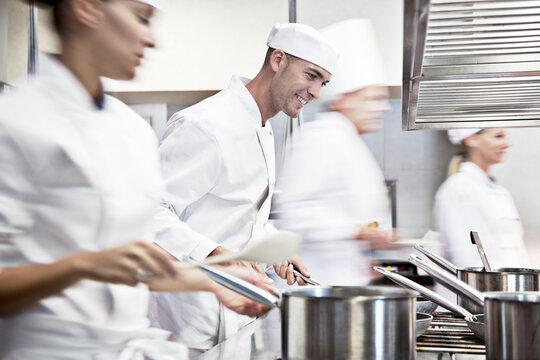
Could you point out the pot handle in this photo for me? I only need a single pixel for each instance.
(451, 282)
(443, 263)
(428, 294)
(240, 286)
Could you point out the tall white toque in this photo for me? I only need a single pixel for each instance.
(360, 62)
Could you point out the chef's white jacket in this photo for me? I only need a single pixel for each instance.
(76, 178)
(218, 163)
(330, 186)
(471, 201)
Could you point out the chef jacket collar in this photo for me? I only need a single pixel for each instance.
(238, 86)
(71, 91)
(474, 170)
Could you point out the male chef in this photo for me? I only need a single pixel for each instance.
(217, 158)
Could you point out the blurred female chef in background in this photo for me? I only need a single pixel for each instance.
(470, 200)
(331, 187)
(79, 184)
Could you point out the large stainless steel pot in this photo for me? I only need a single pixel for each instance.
(321, 323)
(513, 326)
(348, 323)
(501, 279)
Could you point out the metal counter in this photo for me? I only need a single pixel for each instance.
(261, 340)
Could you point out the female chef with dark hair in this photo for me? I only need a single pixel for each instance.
(79, 184)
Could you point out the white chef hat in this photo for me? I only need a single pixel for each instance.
(304, 42)
(456, 136)
(155, 3)
(360, 62)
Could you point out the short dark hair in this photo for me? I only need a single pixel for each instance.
(290, 58)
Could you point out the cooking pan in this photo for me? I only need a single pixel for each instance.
(422, 323)
(512, 318)
(338, 322)
(425, 306)
(500, 279)
(474, 322)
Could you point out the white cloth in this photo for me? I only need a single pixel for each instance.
(218, 163)
(456, 136)
(331, 185)
(471, 201)
(74, 178)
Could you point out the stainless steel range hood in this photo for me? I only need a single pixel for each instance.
(471, 64)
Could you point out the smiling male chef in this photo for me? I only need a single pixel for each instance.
(217, 158)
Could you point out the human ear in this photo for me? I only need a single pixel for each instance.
(278, 60)
(471, 141)
(87, 12)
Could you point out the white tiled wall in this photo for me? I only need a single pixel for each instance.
(418, 161)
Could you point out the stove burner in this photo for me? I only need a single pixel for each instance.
(449, 333)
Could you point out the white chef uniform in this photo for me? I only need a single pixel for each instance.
(76, 178)
(331, 185)
(471, 200)
(218, 163)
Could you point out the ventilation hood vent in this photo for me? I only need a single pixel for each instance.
(471, 64)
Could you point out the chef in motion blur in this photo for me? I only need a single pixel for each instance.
(217, 158)
(79, 185)
(471, 200)
(331, 189)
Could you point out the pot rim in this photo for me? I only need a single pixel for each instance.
(502, 271)
(358, 293)
(521, 296)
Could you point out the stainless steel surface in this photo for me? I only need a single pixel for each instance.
(475, 322)
(503, 279)
(513, 326)
(348, 323)
(461, 56)
(449, 281)
(261, 340)
(448, 335)
(310, 281)
(475, 239)
(445, 264)
(425, 292)
(240, 286)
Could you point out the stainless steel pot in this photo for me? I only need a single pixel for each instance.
(501, 279)
(513, 326)
(348, 323)
(321, 323)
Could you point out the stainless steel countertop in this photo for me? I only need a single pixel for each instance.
(261, 340)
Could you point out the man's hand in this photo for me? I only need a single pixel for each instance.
(378, 238)
(239, 303)
(285, 271)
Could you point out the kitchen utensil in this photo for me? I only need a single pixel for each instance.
(500, 279)
(320, 323)
(425, 306)
(513, 325)
(308, 280)
(422, 323)
(475, 239)
(271, 249)
(474, 322)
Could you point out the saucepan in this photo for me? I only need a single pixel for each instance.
(512, 318)
(474, 322)
(425, 306)
(338, 322)
(501, 279)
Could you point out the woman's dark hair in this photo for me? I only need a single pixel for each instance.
(57, 11)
